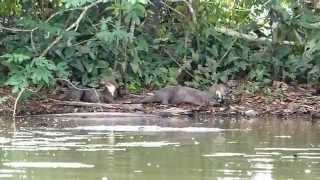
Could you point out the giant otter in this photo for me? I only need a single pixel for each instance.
(97, 96)
(68, 92)
(180, 94)
(85, 95)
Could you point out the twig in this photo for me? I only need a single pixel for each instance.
(74, 26)
(81, 42)
(60, 12)
(307, 107)
(188, 72)
(74, 86)
(132, 28)
(15, 109)
(34, 29)
(231, 32)
(191, 10)
(15, 29)
(16, 102)
(32, 42)
(237, 8)
(228, 50)
(173, 9)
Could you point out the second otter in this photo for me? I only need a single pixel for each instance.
(69, 92)
(180, 94)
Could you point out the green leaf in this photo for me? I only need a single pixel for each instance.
(42, 62)
(15, 58)
(138, 1)
(135, 67)
(106, 36)
(135, 12)
(78, 65)
(242, 65)
(102, 64)
(142, 45)
(18, 81)
(62, 70)
(75, 3)
(41, 75)
(88, 66)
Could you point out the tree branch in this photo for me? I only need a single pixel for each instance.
(74, 26)
(233, 33)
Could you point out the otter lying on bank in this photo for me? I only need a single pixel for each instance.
(181, 94)
(68, 92)
(85, 95)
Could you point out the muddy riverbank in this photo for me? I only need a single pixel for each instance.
(279, 100)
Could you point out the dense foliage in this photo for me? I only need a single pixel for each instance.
(154, 43)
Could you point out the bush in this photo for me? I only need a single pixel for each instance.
(150, 44)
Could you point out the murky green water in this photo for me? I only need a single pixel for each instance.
(160, 149)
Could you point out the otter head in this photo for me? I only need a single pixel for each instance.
(218, 93)
(110, 85)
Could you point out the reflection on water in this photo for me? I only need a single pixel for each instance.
(159, 149)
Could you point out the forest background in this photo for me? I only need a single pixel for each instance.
(150, 44)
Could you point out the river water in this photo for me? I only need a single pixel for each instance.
(159, 149)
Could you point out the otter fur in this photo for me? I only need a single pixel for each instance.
(69, 92)
(111, 86)
(96, 96)
(219, 91)
(85, 95)
(178, 95)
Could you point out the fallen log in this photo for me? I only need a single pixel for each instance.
(128, 107)
(97, 115)
(134, 110)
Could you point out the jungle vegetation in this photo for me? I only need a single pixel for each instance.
(154, 43)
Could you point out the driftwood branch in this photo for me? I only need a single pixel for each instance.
(127, 107)
(173, 111)
(97, 115)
